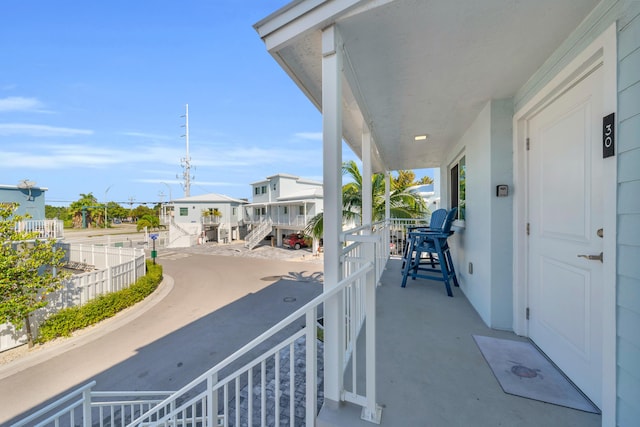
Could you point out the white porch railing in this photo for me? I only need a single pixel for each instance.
(398, 231)
(211, 220)
(272, 388)
(89, 408)
(209, 399)
(45, 228)
(365, 244)
(298, 221)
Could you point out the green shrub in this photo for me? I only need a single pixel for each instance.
(71, 319)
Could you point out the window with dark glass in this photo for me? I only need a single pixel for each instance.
(458, 186)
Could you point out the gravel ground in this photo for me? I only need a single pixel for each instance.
(264, 251)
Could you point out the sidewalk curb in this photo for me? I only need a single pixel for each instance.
(87, 335)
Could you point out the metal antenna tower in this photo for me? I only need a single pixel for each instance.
(186, 161)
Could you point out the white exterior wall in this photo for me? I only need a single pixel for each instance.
(287, 186)
(485, 238)
(470, 242)
(501, 215)
(260, 198)
(193, 216)
(195, 211)
(628, 245)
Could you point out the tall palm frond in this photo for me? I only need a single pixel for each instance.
(402, 203)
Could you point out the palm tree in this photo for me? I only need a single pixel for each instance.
(149, 221)
(403, 204)
(89, 204)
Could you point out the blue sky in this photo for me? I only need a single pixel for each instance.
(92, 93)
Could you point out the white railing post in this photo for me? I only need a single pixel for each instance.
(86, 407)
(311, 367)
(371, 412)
(212, 401)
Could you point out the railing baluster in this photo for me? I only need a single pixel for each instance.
(237, 424)
(263, 393)
(225, 415)
(212, 402)
(292, 383)
(277, 388)
(311, 366)
(250, 397)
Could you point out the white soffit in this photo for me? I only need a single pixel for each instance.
(424, 66)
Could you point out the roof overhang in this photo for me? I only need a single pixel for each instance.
(419, 67)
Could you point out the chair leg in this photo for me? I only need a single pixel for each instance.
(443, 268)
(406, 250)
(452, 269)
(406, 263)
(415, 262)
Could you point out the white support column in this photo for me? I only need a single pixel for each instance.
(387, 195)
(332, 173)
(367, 200)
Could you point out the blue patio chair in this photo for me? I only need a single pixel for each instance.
(431, 243)
(435, 224)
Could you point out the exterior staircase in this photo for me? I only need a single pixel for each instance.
(258, 234)
(182, 236)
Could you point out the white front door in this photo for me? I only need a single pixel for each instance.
(565, 212)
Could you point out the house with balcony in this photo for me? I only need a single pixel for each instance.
(531, 110)
(206, 218)
(31, 201)
(282, 204)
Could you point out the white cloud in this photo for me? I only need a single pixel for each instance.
(195, 182)
(150, 158)
(313, 136)
(19, 103)
(58, 157)
(7, 129)
(146, 135)
(157, 181)
(245, 157)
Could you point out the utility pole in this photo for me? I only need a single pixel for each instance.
(162, 212)
(131, 200)
(186, 161)
(106, 220)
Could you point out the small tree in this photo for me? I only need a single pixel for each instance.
(149, 221)
(29, 270)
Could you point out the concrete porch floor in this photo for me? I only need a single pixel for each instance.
(431, 373)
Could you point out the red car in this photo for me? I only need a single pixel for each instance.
(295, 241)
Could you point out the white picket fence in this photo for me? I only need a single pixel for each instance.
(116, 269)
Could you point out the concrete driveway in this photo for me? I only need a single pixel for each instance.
(207, 307)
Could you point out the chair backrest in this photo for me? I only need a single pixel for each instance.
(437, 219)
(451, 215)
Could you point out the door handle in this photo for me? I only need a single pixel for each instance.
(592, 257)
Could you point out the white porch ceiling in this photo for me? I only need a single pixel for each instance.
(417, 67)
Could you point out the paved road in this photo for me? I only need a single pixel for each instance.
(213, 306)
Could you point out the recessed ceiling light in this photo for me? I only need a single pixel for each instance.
(420, 137)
